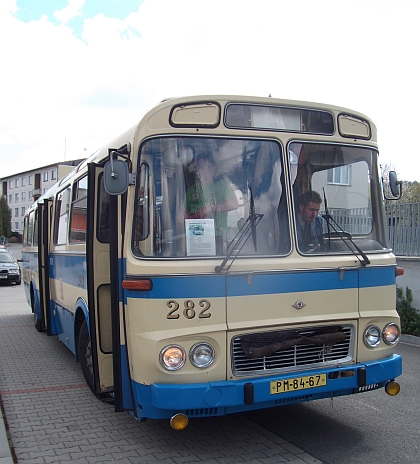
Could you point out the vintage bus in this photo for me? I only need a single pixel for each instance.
(225, 254)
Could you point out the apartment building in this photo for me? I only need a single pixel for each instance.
(23, 188)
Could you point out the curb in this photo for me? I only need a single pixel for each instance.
(411, 339)
(5, 451)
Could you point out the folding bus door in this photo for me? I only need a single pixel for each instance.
(99, 282)
(43, 319)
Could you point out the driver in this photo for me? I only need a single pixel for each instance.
(309, 222)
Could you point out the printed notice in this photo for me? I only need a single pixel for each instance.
(200, 235)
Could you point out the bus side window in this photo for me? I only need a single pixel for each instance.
(78, 212)
(141, 214)
(61, 216)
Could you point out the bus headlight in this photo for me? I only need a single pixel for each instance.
(172, 357)
(372, 336)
(391, 334)
(201, 355)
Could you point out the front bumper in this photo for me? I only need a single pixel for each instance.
(161, 401)
(9, 278)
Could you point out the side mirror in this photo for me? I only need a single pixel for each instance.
(395, 185)
(116, 177)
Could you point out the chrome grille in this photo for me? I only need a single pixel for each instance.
(300, 356)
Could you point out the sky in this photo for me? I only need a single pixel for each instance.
(76, 73)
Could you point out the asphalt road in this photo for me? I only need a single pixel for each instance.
(369, 428)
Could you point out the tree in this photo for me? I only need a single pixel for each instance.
(410, 192)
(5, 217)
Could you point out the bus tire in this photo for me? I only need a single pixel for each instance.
(84, 350)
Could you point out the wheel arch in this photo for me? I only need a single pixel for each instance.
(81, 314)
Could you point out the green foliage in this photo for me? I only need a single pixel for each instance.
(5, 217)
(410, 318)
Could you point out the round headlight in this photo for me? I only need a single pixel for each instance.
(172, 357)
(391, 334)
(372, 336)
(201, 355)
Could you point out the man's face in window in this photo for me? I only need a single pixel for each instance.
(309, 212)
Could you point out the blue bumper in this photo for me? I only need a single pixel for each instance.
(160, 401)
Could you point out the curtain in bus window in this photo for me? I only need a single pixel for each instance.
(199, 195)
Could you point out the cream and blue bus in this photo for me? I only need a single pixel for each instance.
(225, 254)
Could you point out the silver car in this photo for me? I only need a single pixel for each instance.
(9, 268)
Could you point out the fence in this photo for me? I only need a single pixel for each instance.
(403, 221)
(403, 225)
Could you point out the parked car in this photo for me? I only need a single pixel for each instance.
(9, 268)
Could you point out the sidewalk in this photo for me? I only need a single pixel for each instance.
(54, 418)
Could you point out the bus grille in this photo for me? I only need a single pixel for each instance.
(299, 356)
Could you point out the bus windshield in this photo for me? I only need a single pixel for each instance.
(200, 197)
(337, 198)
(203, 190)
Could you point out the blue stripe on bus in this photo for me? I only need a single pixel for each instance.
(69, 268)
(376, 276)
(178, 287)
(207, 286)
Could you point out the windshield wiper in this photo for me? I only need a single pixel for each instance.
(248, 229)
(339, 232)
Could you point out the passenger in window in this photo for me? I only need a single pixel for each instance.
(309, 222)
(212, 196)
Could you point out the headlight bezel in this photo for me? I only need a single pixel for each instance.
(164, 353)
(193, 350)
(397, 338)
(366, 335)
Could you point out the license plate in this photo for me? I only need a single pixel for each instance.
(3, 276)
(299, 383)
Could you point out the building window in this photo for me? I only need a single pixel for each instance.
(339, 175)
(30, 194)
(16, 197)
(23, 196)
(10, 184)
(54, 174)
(45, 176)
(10, 199)
(23, 181)
(16, 212)
(22, 211)
(16, 182)
(16, 226)
(30, 179)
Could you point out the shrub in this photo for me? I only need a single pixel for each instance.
(410, 318)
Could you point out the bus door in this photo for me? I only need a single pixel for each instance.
(99, 283)
(44, 321)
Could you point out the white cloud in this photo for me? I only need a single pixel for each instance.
(56, 86)
(72, 10)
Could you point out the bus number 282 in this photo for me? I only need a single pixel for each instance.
(189, 309)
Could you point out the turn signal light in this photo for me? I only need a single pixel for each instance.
(141, 284)
(392, 388)
(179, 421)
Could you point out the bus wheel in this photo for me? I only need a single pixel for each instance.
(84, 350)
